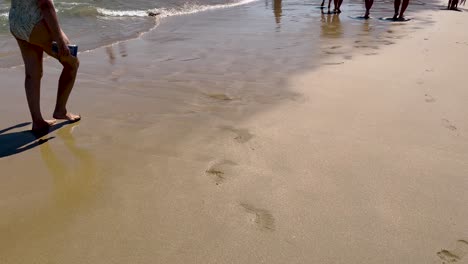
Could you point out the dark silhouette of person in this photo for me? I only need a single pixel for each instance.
(453, 4)
(369, 4)
(337, 4)
(399, 13)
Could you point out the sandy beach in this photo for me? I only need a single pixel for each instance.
(257, 148)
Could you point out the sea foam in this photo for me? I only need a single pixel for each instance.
(186, 9)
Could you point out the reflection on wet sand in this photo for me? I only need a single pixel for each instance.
(331, 26)
(110, 54)
(277, 10)
(122, 51)
(39, 216)
(366, 28)
(71, 184)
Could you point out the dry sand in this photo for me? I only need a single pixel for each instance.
(363, 162)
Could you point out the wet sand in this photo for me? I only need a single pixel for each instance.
(223, 153)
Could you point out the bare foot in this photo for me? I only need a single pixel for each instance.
(43, 125)
(68, 116)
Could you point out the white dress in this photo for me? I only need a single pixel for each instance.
(24, 16)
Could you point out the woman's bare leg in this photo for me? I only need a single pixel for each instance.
(41, 37)
(397, 8)
(369, 4)
(454, 5)
(32, 57)
(403, 8)
(336, 4)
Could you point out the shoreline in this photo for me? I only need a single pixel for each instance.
(177, 14)
(175, 164)
(155, 13)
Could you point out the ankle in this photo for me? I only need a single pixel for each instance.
(60, 111)
(38, 120)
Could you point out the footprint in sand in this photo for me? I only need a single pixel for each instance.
(242, 135)
(333, 63)
(191, 59)
(219, 171)
(448, 124)
(361, 46)
(220, 97)
(116, 74)
(330, 52)
(263, 218)
(429, 99)
(455, 255)
(386, 42)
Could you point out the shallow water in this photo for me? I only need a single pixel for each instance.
(96, 23)
(93, 24)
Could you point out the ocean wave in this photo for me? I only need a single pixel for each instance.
(86, 10)
(71, 3)
(164, 12)
(122, 13)
(76, 9)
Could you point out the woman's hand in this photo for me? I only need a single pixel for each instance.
(62, 43)
(50, 17)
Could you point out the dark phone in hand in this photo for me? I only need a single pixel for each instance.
(73, 49)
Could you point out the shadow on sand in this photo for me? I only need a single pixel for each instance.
(18, 142)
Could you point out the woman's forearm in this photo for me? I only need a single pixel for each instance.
(51, 19)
